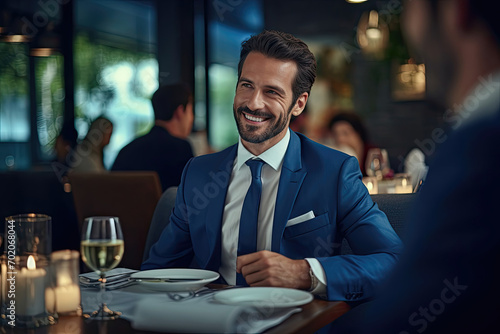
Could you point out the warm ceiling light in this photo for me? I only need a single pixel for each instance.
(14, 38)
(43, 52)
(355, 1)
(372, 34)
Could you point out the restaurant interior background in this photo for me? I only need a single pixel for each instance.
(74, 60)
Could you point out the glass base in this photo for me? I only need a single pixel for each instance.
(103, 313)
(21, 321)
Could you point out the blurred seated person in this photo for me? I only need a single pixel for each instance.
(351, 137)
(64, 145)
(415, 165)
(88, 155)
(164, 149)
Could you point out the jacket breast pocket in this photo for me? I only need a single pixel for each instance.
(306, 227)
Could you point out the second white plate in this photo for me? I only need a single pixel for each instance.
(204, 276)
(265, 296)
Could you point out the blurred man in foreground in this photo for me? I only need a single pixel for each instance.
(446, 280)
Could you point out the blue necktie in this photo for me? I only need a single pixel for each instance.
(247, 239)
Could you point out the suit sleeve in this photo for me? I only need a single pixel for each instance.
(375, 245)
(174, 247)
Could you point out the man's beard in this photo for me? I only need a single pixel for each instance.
(246, 131)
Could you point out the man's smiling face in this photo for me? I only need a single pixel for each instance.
(264, 100)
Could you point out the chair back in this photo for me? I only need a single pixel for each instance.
(395, 207)
(161, 218)
(130, 196)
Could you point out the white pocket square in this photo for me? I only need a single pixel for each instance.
(301, 219)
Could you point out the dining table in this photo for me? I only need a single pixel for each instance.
(312, 316)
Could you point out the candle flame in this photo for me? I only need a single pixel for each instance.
(31, 263)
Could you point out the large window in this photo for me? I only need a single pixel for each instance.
(14, 106)
(227, 28)
(117, 84)
(49, 86)
(116, 71)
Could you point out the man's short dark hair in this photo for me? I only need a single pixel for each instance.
(283, 46)
(167, 98)
(69, 134)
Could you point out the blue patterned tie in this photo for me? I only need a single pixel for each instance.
(247, 239)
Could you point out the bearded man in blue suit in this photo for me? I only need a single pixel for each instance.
(310, 196)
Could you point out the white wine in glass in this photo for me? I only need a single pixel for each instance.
(102, 250)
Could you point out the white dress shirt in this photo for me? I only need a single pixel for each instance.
(239, 183)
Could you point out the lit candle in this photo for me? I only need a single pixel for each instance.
(30, 289)
(404, 187)
(63, 299)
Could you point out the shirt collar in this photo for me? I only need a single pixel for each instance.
(273, 156)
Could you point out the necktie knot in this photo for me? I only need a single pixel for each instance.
(255, 167)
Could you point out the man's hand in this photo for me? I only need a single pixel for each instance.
(267, 268)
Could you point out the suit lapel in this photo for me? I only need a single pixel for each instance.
(213, 221)
(292, 176)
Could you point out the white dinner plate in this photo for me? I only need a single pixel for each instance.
(204, 276)
(264, 297)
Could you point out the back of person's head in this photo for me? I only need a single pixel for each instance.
(283, 46)
(100, 131)
(101, 123)
(354, 120)
(485, 12)
(167, 98)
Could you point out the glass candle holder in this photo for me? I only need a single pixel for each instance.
(64, 296)
(28, 234)
(24, 281)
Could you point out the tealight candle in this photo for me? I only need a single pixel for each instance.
(403, 184)
(64, 297)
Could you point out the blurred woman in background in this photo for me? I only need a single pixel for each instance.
(88, 156)
(350, 136)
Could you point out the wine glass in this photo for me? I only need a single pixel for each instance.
(102, 249)
(377, 163)
(374, 163)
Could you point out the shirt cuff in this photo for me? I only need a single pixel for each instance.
(319, 272)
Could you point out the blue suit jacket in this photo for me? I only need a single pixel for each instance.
(313, 177)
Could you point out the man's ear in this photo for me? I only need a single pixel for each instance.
(300, 104)
(179, 112)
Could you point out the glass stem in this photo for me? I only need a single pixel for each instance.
(102, 287)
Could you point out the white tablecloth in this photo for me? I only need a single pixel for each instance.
(156, 311)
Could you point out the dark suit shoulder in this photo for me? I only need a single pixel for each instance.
(213, 160)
